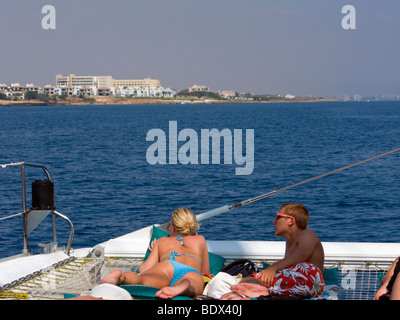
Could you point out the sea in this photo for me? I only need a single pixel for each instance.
(106, 183)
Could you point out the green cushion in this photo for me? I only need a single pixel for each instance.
(216, 261)
(330, 276)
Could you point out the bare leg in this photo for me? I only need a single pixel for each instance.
(117, 277)
(395, 294)
(113, 277)
(159, 276)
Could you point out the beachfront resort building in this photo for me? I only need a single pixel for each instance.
(137, 83)
(88, 86)
(108, 86)
(83, 81)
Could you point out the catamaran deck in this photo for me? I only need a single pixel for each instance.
(352, 270)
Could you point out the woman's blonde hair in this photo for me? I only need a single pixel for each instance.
(184, 221)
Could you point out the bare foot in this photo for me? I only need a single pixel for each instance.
(113, 277)
(175, 290)
(250, 290)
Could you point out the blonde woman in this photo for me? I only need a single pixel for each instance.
(176, 263)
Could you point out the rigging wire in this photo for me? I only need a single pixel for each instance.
(226, 208)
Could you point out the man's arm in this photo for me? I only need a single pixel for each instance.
(306, 244)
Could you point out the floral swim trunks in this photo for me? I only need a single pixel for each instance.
(303, 280)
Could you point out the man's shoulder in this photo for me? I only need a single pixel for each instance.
(309, 231)
(309, 234)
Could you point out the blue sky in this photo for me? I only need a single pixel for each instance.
(257, 46)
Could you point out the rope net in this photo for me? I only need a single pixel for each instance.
(359, 283)
(71, 276)
(77, 275)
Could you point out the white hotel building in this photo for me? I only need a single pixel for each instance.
(107, 86)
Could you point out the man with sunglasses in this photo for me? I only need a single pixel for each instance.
(299, 273)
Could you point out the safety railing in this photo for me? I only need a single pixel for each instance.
(43, 203)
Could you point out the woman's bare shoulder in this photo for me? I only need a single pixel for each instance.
(197, 239)
(163, 240)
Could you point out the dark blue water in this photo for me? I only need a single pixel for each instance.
(104, 184)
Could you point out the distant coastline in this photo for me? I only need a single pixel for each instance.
(73, 101)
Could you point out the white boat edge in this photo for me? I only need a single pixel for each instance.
(134, 245)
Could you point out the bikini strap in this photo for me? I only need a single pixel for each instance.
(180, 239)
(173, 254)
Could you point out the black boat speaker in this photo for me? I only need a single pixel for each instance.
(43, 195)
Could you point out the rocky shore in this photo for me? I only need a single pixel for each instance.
(71, 101)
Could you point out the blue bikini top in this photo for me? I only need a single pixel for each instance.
(173, 254)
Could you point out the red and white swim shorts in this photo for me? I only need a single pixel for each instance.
(300, 280)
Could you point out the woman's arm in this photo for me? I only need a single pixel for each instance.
(153, 258)
(205, 268)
